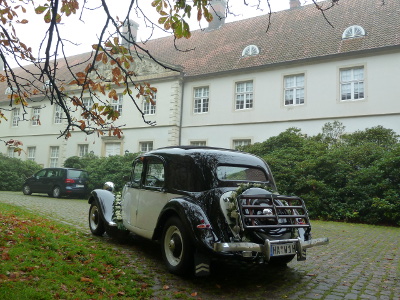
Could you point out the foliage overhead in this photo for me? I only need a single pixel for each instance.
(115, 48)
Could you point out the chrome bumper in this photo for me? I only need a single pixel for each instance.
(266, 247)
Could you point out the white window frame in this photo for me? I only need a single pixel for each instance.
(146, 146)
(36, 116)
(294, 91)
(244, 95)
(201, 101)
(117, 104)
(112, 148)
(15, 117)
(87, 102)
(198, 143)
(353, 32)
(352, 83)
(240, 142)
(10, 152)
(250, 50)
(31, 153)
(148, 107)
(83, 149)
(58, 114)
(54, 155)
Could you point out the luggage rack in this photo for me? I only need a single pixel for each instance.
(272, 212)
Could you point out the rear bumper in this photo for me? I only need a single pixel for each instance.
(265, 248)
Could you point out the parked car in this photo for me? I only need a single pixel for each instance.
(205, 203)
(57, 182)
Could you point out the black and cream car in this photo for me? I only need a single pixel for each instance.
(202, 203)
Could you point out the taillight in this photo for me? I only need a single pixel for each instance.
(68, 180)
(203, 225)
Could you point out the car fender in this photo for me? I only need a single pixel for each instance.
(105, 199)
(192, 216)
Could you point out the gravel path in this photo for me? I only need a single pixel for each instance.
(361, 262)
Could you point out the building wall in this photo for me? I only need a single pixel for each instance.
(269, 116)
(222, 124)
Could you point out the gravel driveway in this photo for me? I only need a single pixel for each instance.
(361, 261)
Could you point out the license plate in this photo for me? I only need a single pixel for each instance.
(283, 249)
(79, 185)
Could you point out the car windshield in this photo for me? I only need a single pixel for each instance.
(240, 173)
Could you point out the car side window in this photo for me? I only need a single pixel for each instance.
(40, 174)
(137, 173)
(154, 173)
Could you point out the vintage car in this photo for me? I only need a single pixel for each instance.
(204, 203)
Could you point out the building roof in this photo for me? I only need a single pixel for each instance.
(295, 34)
(298, 34)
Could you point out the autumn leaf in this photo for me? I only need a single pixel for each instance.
(85, 279)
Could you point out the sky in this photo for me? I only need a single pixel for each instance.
(84, 31)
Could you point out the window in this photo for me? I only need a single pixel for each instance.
(244, 95)
(87, 103)
(294, 89)
(352, 84)
(113, 149)
(36, 116)
(58, 114)
(54, 154)
(198, 143)
(15, 117)
(83, 150)
(201, 100)
(148, 107)
(353, 32)
(154, 173)
(240, 173)
(137, 173)
(250, 50)
(145, 146)
(11, 152)
(243, 142)
(117, 104)
(31, 153)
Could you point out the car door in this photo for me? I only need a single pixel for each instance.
(36, 182)
(152, 196)
(131, 195)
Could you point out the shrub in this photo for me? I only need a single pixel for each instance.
(14, 171)
(344, 177)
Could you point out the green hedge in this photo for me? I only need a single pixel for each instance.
(343, 177)
(103, 169)
(14, 171)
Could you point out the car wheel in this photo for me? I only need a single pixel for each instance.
(177, 249)
(56, 192)
(280, 261)
(26, 189)
(96, 223)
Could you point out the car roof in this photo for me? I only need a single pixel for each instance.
(221, 155)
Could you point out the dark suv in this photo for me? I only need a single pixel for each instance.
(57, 182)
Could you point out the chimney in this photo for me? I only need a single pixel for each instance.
(294, 3)
(218, 11)
(129, 32)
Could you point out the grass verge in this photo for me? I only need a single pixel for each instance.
(41, 259)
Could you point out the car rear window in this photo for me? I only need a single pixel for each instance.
(77, 174)
(240, 173)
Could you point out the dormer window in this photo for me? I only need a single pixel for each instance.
(353, 32)
(250, 51)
